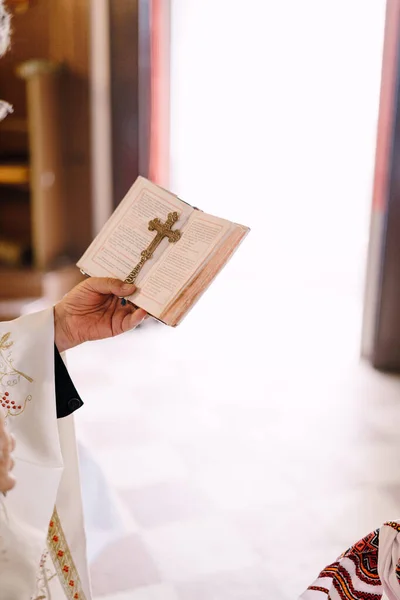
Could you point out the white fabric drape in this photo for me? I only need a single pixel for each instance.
(42, 539)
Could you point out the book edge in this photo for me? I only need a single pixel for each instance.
(208, 278)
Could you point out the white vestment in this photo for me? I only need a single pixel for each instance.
(42, 539)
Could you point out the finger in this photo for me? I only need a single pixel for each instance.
(7, 483)
(11, 463)
(4, 454)
(3, 431)
(133, 319)
(5, 443)
(108, 285)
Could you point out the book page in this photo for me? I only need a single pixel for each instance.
(191, 293)
(117, 249)
(201, 235)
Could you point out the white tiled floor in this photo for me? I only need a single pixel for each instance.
(151, 592)
(147, 464)
(188, 550)
(226, 470)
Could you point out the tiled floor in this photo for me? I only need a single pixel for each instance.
(247, 451)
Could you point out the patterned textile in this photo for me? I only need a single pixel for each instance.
(354, 576)
(369, 570)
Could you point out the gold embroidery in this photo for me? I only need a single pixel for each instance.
(45, 575)
(9, 377)
(6, 362)
(394, 525)
(63, 561)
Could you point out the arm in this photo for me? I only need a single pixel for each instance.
(91, 311)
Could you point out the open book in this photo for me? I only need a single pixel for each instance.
(170, 250)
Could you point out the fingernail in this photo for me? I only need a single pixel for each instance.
(128, 287)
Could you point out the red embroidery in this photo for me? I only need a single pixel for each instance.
(394, 525)
(13, 410)
(10, 376)
(63, 561)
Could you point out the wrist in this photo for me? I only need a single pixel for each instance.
(62, 339)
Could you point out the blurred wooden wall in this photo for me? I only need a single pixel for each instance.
(57, 30)
(69, 43)
(115, 76)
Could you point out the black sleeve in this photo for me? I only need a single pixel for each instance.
(67, 398)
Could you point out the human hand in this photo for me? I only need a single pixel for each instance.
(7, 445)
(92, 311)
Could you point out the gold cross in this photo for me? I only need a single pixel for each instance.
(163, 230)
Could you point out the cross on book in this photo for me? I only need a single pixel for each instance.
(163, 230)
(176, 276)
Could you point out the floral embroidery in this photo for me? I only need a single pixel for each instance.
(9, 377)
(44, 577)
(13, 409)
(63, 561)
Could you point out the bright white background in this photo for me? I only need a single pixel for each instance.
(274, 111)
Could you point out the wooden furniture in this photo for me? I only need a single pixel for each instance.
(42, 157)
(47, 199)
(90, 95)
(14, 174)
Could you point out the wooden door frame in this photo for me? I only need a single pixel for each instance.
(139, 35)
(381, 326)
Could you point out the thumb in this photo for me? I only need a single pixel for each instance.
(2, 423)
(134, 319)
(108, 285)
